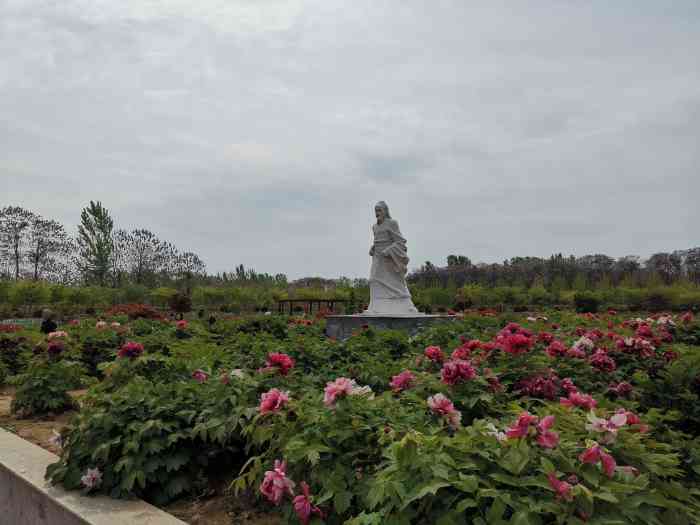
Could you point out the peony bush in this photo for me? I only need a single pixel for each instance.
(556, 417)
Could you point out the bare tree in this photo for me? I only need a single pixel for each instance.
(146, 255)
(47, 239)
(14, 225)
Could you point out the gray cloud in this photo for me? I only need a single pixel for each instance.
(263, 132)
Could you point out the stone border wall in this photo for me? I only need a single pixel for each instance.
(27, 499)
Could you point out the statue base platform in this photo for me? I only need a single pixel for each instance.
(342, 326)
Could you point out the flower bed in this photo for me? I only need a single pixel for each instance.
(551, 418)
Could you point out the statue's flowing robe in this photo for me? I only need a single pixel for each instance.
(387, 279)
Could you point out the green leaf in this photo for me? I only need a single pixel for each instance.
(430, 487)
(466, 503)
(341, 501)
(606, 496)
(467, 483)
(175, 461)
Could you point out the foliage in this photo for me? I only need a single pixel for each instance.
(586, 302)
(44, 387)
(374, 449)
(153, 439)
(95, 242)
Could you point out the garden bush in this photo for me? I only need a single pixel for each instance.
(44, 387)
(586, 302)
(155, 439)
(556, 417)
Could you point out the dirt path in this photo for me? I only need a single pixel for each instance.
(34, 430)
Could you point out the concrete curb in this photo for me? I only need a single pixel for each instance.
(27, 499)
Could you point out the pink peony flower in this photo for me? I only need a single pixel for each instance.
(101, 325)
(687, 317)
(276, 484)
(200, 375)
(303, 506)
(522, 426)
(594, 454)
(434, 353)
(568, 385)
(130, 349)
(576, 353)
(74, 322)
(92, 478)
(608, 463)
(562, 488)
(546, 438)
(442, 406)
(402, 381)
(60, 334)
(608, 427)
(273, 401)
(181, 325)
(457, 371)
(342, 387)
(577, 399)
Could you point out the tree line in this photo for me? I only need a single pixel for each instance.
(35, 248)
(566, 273)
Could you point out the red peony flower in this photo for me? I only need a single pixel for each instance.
(55, 348)
(602, 361)
(457, 371)
(434, 353)
(556, 349)
(545, 337)
(130, 349)
(282, 362)
(622, 389)
(517, 344)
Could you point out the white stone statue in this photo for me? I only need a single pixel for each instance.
(389, 294)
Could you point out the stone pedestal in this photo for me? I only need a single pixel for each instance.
(342, 326)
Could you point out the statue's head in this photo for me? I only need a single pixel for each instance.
(381, 211)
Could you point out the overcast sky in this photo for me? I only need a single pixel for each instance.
(262, 132)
